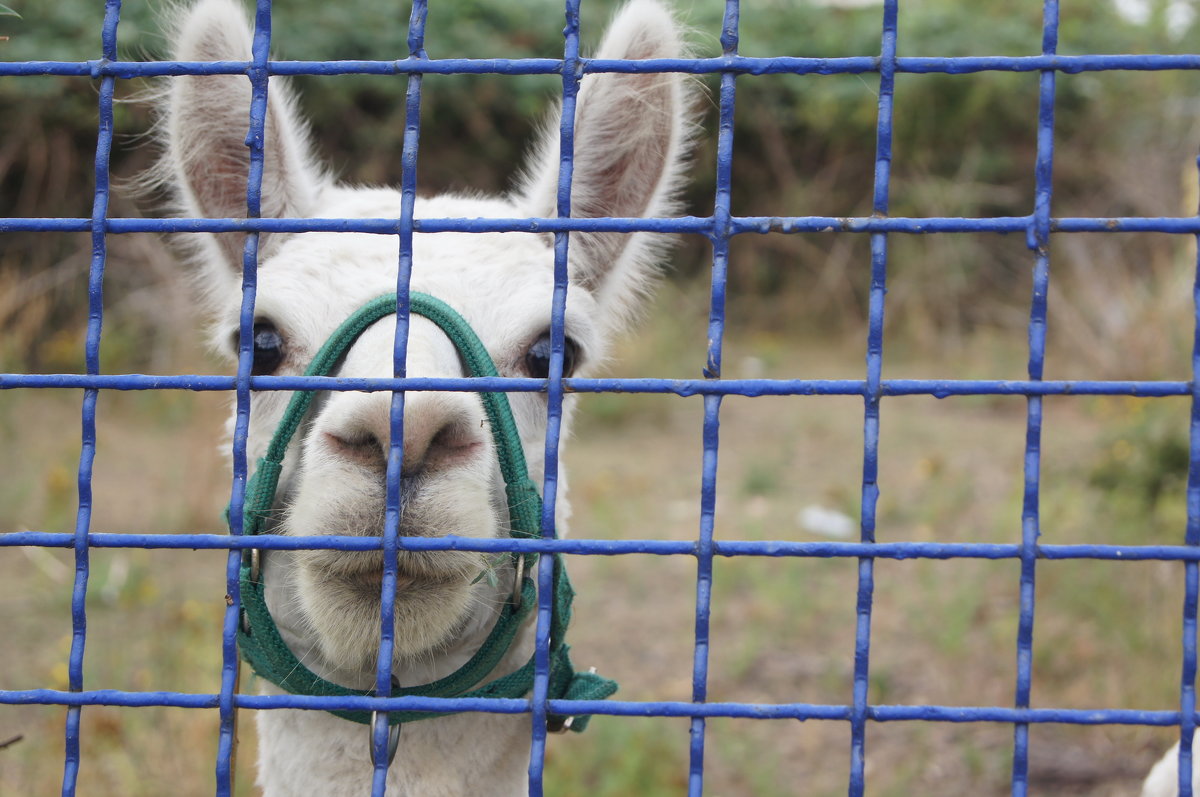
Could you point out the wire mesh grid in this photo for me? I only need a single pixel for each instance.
(719, 227)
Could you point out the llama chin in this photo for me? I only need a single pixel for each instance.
(631, 140)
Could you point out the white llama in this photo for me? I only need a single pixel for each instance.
(1163, 780)
(629, 147)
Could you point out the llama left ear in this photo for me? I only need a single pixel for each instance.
(206, 119)
(630, 145)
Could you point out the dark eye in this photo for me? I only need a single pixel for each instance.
(268, 348)
(537, 359)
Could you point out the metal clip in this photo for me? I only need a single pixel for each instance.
(393, 731)
(255, 578)
(518, 581)
(568, 721)
(563, 728)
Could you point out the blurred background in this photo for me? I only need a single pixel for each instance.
(1106, 634)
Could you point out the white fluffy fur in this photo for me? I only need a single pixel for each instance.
(630, 145)
(1163, 780)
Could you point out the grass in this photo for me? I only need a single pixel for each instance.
(1107, 634)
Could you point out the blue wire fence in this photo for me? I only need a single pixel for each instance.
(719, 227)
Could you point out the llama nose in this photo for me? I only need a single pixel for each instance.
(441, 430)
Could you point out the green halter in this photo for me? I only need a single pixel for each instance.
(258, 638)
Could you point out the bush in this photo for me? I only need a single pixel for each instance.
(963, 145)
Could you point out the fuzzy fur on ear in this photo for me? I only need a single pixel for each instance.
(206, 121)
(631, 143)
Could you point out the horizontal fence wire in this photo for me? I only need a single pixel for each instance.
(937, 388)
(720, 227)
(615, 708)
(584, 547)
(736, 225)
(727, 64)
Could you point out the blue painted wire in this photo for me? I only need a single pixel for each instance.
(381, 730)
(87, 451)
(571, 76)
(743, 65)
(1187, 681)
(872, 394)
(1039, 241)
(719, 227)
(255, 141)
(720, 237)
(614, 708)
(575, 546)
(938, 388)
(738, 225)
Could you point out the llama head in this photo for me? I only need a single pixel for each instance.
(629, 147)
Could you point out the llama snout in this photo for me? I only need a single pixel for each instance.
(446, 487)
(442, 431)
(448, 472)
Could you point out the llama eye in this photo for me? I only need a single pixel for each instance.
(537, 359)
(268, 349)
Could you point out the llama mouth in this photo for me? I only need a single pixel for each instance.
(368, 583)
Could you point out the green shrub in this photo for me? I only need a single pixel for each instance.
(963, 144)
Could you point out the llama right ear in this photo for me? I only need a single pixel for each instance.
(206, 123)
(630, 146)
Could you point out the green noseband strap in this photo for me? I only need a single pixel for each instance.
(258, 638)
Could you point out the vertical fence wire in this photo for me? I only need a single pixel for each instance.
(710, 436)
(87, 451)
(571, 74)
(258, 75)
(1039, 242)
(872, 396)
(1191, 576)
(384, 679)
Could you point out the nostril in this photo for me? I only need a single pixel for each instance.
(440, 433)
(362, 448)
(453, 444)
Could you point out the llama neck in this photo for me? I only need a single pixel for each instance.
(462, 755)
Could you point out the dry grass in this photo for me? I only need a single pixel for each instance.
(1107, 634)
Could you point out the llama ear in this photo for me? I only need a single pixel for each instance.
(630, 144)
(206, 123)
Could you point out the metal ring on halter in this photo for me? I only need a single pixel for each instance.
(255, 574)
(518, 581)
(393, 731)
